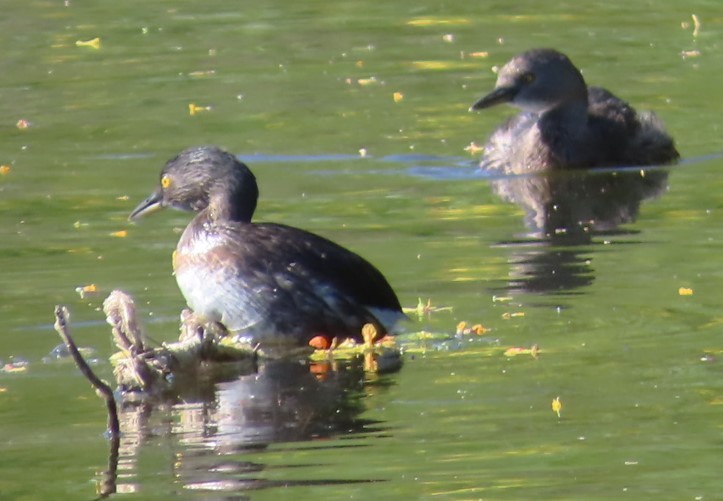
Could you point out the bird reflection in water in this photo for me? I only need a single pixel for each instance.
(210, 435)
(564, 211)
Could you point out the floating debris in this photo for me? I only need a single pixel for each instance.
(438, 21)
(194, 109)
(206, 73)
(556, 406)
(685, 291)
(367, 81)
(514, 314)
(86, 290)
(23, 124)
(477, 329)
(206, 350)
(119, 234)
(533, 351)
(425, 309)
(319, 343)
(94, 43)
(15, 365)
(363, 152)
(500, 299)
(708, 358)
(473, 148)
(4, 170)
(449, 38)
(398, 96)
(696, 25)
(432, 65)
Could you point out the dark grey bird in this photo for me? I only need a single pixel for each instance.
(268, 283)
(564, 124)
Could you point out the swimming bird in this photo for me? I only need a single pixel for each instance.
(268, 284)
(566, 124)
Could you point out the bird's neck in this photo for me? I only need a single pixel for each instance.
(570, 115)
(226, 206)
(565, 134)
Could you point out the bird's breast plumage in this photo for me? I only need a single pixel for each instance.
(274, 280)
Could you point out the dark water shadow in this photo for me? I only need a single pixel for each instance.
(571, 216)
(571, 207)
(210, 432)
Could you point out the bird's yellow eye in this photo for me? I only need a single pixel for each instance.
(528, 78)
(165, 181)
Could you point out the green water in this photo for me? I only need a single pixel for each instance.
(298, 88)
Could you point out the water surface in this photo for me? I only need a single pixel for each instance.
(298, 90)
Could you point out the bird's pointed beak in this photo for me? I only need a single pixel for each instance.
(152, 204)
(499, 95)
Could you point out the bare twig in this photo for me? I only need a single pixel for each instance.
(63, 329)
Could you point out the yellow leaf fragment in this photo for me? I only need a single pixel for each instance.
(423, 308)
(473, 148)
(696, 25)
(86, 290)
(556, 406)
(514, 314)
(367, 81)
(202, 73)
(685, 291)
(479, 54)
(463, 329)
(4, 170)
(363, 152)
(533, 351)
(437, 21)
(501, 298)
(432, 65)
(23, 124)
(194, 109)
(398, 96)
(94, 43)
(119, 234)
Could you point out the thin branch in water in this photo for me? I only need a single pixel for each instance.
(63, 329)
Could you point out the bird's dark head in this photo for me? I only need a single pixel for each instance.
(201, 177)
(537, 80)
